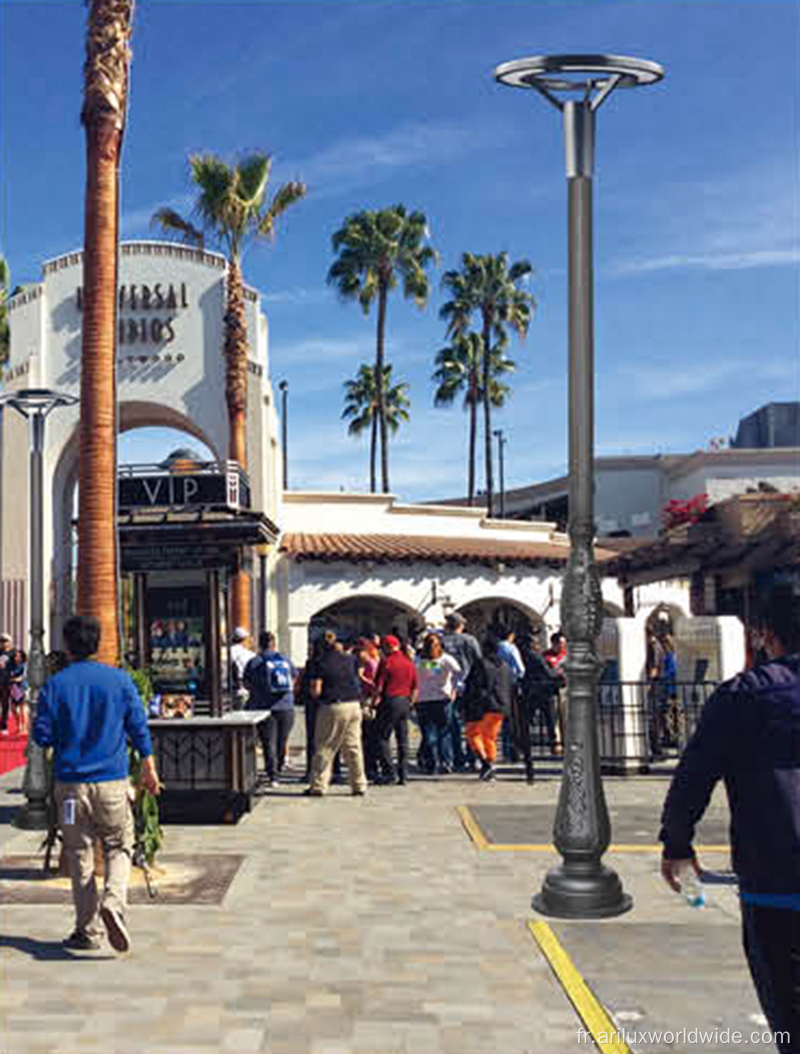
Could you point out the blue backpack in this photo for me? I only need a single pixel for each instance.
(270, 678)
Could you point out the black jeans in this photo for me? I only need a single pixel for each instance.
(771, 938)
(274, 739)
(5, 704)
(393, 717)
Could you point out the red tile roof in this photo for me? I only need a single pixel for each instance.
(395, 548)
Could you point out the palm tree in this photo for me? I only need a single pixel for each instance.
(233, 210)
(361, 408)
(105, 100)
(459, 370)
(5, 332)
(487, 287)
(375, 249)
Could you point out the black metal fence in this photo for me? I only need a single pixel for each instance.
(641, 724)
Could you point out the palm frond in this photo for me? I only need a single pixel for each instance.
(172, 222)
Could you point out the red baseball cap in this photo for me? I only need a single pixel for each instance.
(390, 641)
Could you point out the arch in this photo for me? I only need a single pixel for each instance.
(132, 415)
(138, 414)
(356, 616)
(487, 613)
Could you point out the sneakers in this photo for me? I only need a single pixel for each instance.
(359, 793)
(487, 771)
(81, 942)
(312, 792)
(114, 922)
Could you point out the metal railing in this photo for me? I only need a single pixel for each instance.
(640, 724)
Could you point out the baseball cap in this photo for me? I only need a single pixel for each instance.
(454, 619)
(240, 633)
(390, 642)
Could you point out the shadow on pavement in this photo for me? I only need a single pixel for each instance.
(44, 951)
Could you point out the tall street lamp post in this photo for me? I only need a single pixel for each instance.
(501, 461)
(283, 387)
(35, 404)
(581, 887)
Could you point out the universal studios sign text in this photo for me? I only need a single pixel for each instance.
(137, 305)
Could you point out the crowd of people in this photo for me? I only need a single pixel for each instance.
(470, 699)
(13, 686)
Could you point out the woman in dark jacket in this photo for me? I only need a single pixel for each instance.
(487, 700)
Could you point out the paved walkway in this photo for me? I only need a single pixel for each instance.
(372, 925)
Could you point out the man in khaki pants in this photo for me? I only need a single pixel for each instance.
(335, 684)
(87, 713)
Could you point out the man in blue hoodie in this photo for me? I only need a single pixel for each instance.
(749, 737)
(87, 713)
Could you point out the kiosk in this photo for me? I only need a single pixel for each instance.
(184, 529)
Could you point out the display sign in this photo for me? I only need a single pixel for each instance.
(176, 625)
(229, 490)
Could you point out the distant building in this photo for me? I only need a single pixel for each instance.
(631, 491)
(773, 425)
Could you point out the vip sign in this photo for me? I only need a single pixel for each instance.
(136, 327)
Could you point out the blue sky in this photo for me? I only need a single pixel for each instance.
(373, 103)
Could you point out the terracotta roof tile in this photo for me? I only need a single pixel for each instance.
(410, 548)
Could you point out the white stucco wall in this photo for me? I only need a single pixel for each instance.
(303, 588)
(170, 373)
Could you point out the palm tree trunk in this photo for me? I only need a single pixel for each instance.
(487, 411)
(103, 115)
(380, 395)
(473, 438)
(235, 352)
(373, 445)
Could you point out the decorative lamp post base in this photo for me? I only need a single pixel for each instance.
(597, 894)
(32, 816)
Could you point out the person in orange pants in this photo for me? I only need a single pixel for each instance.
(487, 701)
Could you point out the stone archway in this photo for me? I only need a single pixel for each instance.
(360, 616)
(488, 614)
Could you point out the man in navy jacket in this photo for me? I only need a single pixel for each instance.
(87, 713)
(749, 737)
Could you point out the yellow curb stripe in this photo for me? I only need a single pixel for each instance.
(590, 1010)
(472, 827)
(475, 832)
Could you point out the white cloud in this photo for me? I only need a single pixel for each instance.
(723, 261)
(361, 160)
(681, 379)
(735, 221)
(136, 221)
(298, 297)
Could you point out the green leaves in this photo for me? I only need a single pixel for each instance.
(375, 248)
(361, 400)
(231, 204)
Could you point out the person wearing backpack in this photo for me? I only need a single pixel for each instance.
(270, 680)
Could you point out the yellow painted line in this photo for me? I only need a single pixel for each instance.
(590, 1010)
(474, 830)
(472, 827)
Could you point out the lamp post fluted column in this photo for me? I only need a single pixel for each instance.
(35, 404)
(582, 886)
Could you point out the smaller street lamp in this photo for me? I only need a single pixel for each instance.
(283, 387)
(35, 405)
(501, 460)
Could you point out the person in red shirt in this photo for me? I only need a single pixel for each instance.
(395, 694)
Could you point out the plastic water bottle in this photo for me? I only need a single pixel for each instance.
(691, 887)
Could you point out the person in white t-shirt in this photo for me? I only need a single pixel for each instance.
(241, 654)
(438, 677)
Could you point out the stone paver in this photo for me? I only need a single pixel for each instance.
(372, 926)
